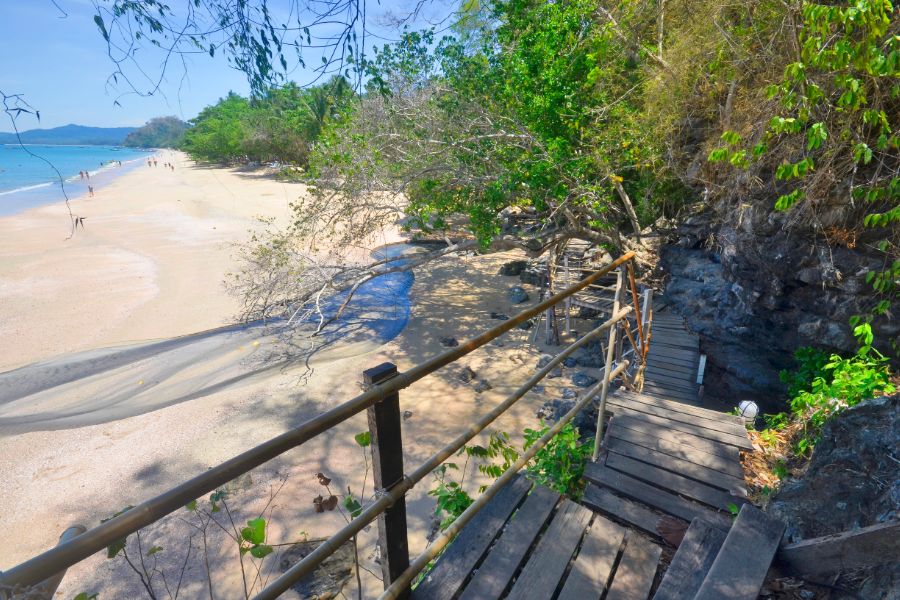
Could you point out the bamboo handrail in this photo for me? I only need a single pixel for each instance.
(82, 546)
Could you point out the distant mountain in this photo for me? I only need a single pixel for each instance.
(71, 134)
(159, 132)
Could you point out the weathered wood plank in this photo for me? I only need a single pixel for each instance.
(667, 382)
(653, 496)
(664, 355)
(651, 389)
(726, 464)
(684, 374)
(590, 572)
(678, 437)
(634, 577)
(680, 407)
(740, 441)
(622, 509)
(663, 350)
(721, 425)
(689, 488)
(503, 561)
(688, 401)
(828, 555)
(741, 565)
(547, 564)
(702, 474)
(691, 562)
(454, 566)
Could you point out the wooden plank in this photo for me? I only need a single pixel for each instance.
(623, 509)
(683, 374)
(730, 465)
(636, 571)
(592, 568)
(675, 364)
(721, 425)
(680, 407)
(454, 566)
(688, 488)
(387, 470)
(504, 559)
(691, 562)
(651, 389)
(678, 437)
(663, 350)
(739, 441)
(741, 565)
(702, 474)
(653, 496)
(545, 568)
(670, 384)
(831, 554)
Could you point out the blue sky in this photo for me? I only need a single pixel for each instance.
(60, 64)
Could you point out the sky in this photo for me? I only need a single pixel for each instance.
(57, 59)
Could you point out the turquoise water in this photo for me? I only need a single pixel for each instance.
(27, 181)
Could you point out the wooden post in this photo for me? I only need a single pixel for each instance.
(387, 467)
(607, 369)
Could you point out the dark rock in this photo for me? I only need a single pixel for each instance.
(583, 380)
(449, 342)
(526, 325)
(538, 389)
(569, 394)
(517, 295)
(570, 362)
(535, 273)
(513, 268)
(553, 410)
(499, 316)
(555, 372)
(466, 374)
(590, 355)
(330, 576)
(407, 414)
(852, 481)
(544, 360)
(483, 386)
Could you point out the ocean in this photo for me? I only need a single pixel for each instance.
(27, 181)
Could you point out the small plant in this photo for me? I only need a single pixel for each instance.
(560, 464)
(452, 499)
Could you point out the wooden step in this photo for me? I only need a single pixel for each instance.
(679, 407)
(637, 569)
(653, 496)
(691, 562)
(725, 451)
(454, 565)
(741, 565)
(547, 564)
(592, 568)
(715, 423)
(622, 509)
(737, 440)
(504, 560)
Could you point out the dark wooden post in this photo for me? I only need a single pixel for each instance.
(387, 466)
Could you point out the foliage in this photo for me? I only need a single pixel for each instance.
(810, 365)
(451, 498)
(279, 125)
(159, 132)
(560, 464)
(834, 119)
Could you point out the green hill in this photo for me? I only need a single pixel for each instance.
(71, 134)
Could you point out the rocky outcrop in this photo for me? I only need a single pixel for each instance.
(755, 291)
(852, 481)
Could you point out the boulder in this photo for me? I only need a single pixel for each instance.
(517, 295)
(583, 380)
(513, 268)
(499, 316)
(449, 342)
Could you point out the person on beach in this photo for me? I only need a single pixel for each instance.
(81, 173)
(154, 162)
(90, 191)
(172, 167)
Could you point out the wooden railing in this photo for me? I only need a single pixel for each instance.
(381, 401)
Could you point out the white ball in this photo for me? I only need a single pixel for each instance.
(748, 409)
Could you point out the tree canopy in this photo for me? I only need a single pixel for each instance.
(159, 132)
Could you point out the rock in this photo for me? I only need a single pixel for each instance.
(555, 372)
(407, 414)
(583, 380)
(499, 316)
(526, 325)
(569, 394)
(553, 410)
(535, 273)
(570, 362)
(513, 268)
(483, 386)
(544, 360)
(329, 578)
(852, 481)
(466, 374)
(517, 295)
(538, 389)
(449, 342)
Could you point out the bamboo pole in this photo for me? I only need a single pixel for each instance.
(610, 349)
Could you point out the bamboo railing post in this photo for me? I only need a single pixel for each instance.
(607, 370)
(387, 467)
(634, 299)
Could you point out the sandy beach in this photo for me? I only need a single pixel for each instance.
(149, 265)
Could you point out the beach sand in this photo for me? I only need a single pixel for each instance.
(150, 265)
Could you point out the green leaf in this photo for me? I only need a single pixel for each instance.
(261, 551)
(363, 439)
(352, 506)
(117, 546)
(255, 532)
(154, 550)
(191, 506)
(102, 26)
(85, 596)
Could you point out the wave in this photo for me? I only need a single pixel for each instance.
(27, 187)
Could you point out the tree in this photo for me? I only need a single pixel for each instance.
(159, 132)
